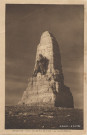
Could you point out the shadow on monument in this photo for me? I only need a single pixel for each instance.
(64, 98)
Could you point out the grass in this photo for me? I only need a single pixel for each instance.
(33, 117)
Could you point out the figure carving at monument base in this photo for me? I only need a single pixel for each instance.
(41, 65)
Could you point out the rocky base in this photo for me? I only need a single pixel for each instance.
(40, 92)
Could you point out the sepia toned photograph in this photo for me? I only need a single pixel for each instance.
(44, 66)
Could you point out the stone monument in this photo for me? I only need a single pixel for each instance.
(46, 86)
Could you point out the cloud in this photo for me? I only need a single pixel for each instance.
(10, 85)
(14, 90)
(80, 98)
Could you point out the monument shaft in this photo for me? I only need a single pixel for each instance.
(46, 86)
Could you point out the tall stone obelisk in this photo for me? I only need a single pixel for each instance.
(46, 86)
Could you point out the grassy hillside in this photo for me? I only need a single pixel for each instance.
(31, 117)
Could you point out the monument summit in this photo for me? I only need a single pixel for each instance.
(46, 86)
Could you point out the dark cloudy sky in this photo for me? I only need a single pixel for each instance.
(24, 26)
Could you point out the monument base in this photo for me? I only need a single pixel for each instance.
(40, 93)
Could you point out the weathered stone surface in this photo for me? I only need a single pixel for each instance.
(46, 86)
